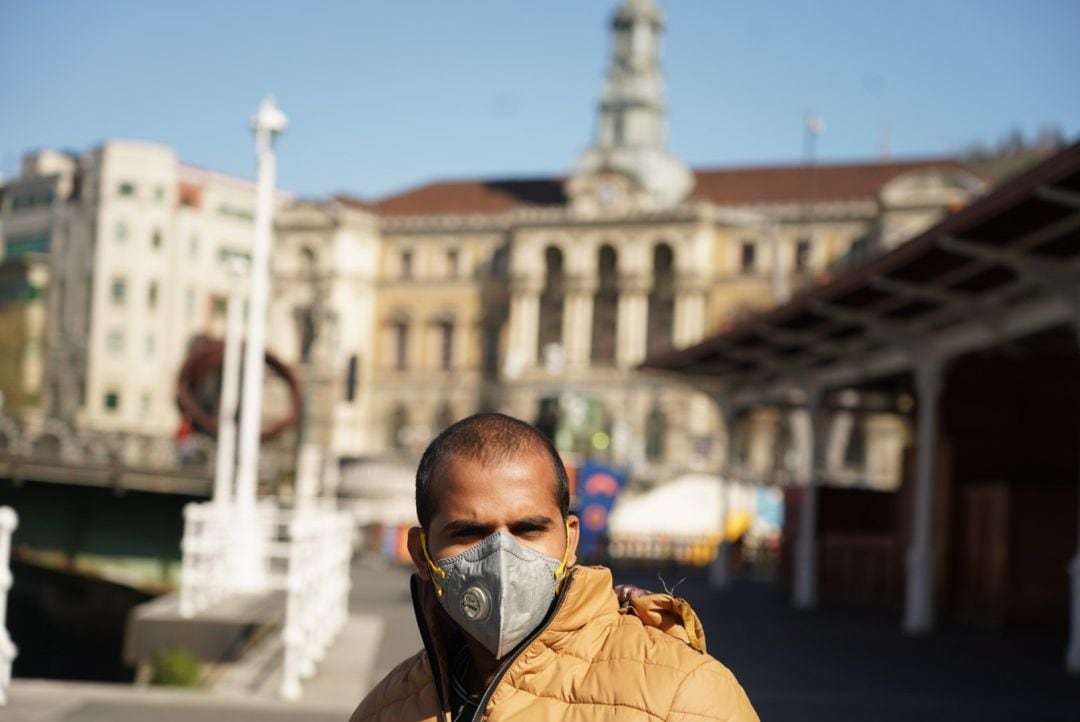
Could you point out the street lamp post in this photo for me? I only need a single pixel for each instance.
(225, 468)
(249, 572)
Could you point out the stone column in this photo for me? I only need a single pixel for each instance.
(689, 310)
(577, 319)
(719, 570)
(524, 331)
(919, 590)
(633, 320)
(806, 549)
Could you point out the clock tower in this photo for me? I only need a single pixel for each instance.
(628, 164)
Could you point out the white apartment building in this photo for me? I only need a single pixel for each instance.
(137, 245)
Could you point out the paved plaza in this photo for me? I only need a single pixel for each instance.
(835, 664)
(841, 664)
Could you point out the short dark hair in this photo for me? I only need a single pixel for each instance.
(486, 438)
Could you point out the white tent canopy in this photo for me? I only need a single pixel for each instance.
(689, 505)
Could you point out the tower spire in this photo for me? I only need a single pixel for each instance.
(631, 134)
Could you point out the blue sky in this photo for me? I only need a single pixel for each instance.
(384, 95)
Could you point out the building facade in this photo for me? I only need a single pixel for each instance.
(132, 246)
(508, 293)
(403, 314)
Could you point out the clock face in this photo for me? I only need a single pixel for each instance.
(606, 194)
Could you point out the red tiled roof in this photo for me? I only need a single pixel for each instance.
(473, 196)
(785, 184)
(724, 186)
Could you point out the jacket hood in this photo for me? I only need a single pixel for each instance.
(592, 594)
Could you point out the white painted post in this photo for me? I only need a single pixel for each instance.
(248, 569)
(292, 635)
(9, 520)
(806, 548)
(188, 569)
(919, 591)
(230, 388)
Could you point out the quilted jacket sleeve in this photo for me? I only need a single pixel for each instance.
(711, 692)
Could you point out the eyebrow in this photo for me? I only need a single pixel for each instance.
(467, 526)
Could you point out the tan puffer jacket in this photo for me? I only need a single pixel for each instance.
(590, 661)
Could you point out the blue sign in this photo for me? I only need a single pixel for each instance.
(597, 487)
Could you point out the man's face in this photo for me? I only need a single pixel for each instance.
(474, 500)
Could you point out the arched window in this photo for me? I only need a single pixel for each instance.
(551, 301)
(662, 300)
(309, 263)
(605, 307)
(401, 345)
(500, 262)
(492, 337)
(446, 345)
(655, 430)
(352, 377)
(398, 422)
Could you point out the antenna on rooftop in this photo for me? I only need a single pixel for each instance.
(885, 141)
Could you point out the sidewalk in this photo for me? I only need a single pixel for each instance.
(851, 664)
(32, 700)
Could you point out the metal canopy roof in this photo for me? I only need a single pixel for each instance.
(1006, 266)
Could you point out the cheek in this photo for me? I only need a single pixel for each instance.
(442, 549)
(449, 550)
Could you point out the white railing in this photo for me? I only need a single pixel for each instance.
(694, 550)
(204, 565)
(317, 583)
(8, 521)
(306, 554)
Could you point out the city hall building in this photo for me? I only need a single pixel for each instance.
(540, 297)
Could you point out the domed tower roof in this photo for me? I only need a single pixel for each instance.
(629, 156)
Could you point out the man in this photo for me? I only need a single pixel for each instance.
(512, 629)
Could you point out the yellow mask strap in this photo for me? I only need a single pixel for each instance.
(435, 571)
(566, 555)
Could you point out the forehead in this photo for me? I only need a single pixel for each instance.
(521, 484)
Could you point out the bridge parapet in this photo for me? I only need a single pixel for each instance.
(8, 521)
(52, 450)
(306, 554)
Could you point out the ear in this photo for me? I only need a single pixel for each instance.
(574, 527)
(416, 552)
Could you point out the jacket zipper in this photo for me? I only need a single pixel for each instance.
(429, 648)
(524, 645)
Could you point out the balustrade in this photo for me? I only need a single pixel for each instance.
(307, 555)
(8, 521)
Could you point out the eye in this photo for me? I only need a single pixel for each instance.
(530, 531)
